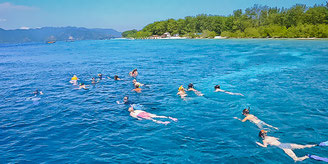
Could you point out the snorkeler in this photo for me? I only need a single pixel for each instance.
(134, 81)
(37, 92)
(137, 89)
(182, 92)
(93, 81)
(191, 88)
(218, 89)
(82, 86)
(100, 76)
(254, 119)
(286, 147)
(116, 78)
(140, 114)
(74, 80)
(134, 73)
(125, 100)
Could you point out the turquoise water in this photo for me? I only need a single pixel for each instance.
(285, 82)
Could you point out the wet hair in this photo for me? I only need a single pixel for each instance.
(82, 83)
(217, 87)
(262, 134)
(115, 77)
(134, 70)
(137, 86)
(190, 85)
(126, 97)
(246, 111)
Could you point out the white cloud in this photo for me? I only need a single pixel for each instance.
(2, 20)
(10, 6)
(24, 28)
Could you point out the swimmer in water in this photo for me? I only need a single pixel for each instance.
(182, 92)
(94, 81)
(116, 78)
(37, 92)
(125, 100)
(100, 76)
(218, 89)
(254, 119)
(137, 89)
(74, 80)
(82, 86)
(140, 114)
(191, 88)
(134, 73)
(286, 147)
(134, 81)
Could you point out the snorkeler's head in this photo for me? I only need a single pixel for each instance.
(217, 87)
(134, 80)
(115, 77)
(137, 86)
(190, 86)
(134, 70)
(82, 84)
(181, 88)
(262, 134)
(245, 111)
(99, 74)
(130, 109)
(126, 98)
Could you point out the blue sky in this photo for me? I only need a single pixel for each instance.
(120, 15)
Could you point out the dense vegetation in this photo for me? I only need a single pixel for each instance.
(258, 21)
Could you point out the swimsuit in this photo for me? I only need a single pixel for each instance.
(260, 124)
(143, 115)
(285, 146)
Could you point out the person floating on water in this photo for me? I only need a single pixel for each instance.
(137, 88)
(125, 101)
(140, 114)
(116, 78)
(254, 119)
(74, 80)
(93, 81)
(218, 89)
(286, 147)
(134, 73)
(191, 88)
(82, 86)
(134, 81)
(37, 92)
(100, 76)
(182, 92)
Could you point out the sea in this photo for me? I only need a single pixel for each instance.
(284, 83)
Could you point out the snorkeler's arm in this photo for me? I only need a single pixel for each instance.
(245, 119)
(262, 145)
(237, 118)
(41, 93)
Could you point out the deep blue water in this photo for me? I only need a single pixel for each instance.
(285, 82)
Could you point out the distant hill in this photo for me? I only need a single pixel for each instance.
(45, 34)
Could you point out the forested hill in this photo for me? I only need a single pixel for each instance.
(258, 21)
(55, 34)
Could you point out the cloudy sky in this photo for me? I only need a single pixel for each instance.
(120, 15)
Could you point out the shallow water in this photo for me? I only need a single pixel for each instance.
(285, 82)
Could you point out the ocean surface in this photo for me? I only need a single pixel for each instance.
(285, 83)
